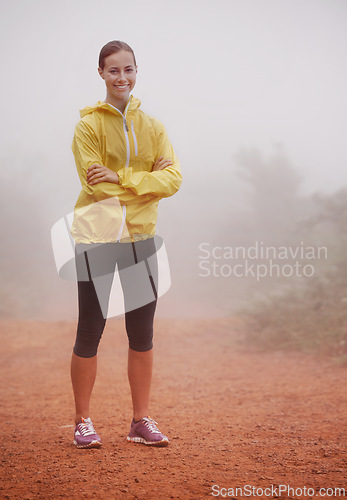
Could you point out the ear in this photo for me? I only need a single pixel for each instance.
(101, 73)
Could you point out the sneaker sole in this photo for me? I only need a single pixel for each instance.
(93, 444)
(164, 442)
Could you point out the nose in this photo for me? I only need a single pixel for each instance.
(121, 76)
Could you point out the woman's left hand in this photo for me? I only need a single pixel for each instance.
(100, 173)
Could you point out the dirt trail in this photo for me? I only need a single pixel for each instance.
(234, 418)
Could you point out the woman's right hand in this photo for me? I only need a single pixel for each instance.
(160, 164)
(100, 173)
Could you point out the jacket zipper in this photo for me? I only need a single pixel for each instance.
(134, 136)
(122, 224)
(125, 123)
(126, 130)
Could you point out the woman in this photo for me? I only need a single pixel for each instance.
(126, 164)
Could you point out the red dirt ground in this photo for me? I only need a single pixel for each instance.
(234, 417)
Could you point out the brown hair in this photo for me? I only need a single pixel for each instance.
(112, 48)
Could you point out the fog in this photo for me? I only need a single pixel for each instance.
(245, 88)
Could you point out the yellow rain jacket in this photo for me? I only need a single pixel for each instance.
(129, 144)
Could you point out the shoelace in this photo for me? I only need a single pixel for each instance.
(86, 428)
(151, 424)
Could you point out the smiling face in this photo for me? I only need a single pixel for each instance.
(119, 74)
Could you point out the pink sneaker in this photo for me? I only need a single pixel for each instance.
(85, 435)
(146, 431)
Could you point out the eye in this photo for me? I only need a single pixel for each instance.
(129, 70)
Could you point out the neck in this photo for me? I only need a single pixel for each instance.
(119, 104)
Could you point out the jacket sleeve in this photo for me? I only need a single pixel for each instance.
(162, 183)
(87, 152)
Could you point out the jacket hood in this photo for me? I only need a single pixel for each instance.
(132, 105)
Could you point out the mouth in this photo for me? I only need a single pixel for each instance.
(121, 87)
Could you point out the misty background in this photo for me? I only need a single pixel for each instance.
(253, 96)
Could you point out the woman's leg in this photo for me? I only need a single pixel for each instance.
(91, 324)
(139, 326)
(83, 368)
(140, 288)
(140, 376)
(83, 374)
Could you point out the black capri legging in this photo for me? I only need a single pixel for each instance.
(138, 273)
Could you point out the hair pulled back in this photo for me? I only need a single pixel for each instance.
(112, 48)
